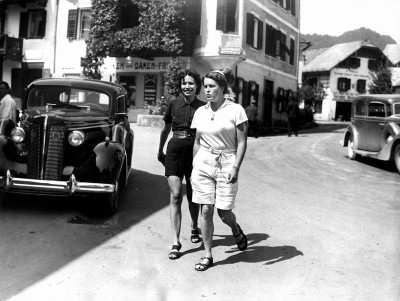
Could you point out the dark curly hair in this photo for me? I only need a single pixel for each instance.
(192, 73)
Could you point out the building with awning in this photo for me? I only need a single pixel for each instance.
(344, 71)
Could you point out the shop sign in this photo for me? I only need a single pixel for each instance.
(136, 65)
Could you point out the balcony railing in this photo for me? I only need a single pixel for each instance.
(11, 48)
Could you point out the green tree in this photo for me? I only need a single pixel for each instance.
(162, 30)
(381, 82)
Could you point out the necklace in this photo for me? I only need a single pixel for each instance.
(213, 113)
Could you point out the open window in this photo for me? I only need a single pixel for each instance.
(227, 16)
(254, 35)
(32, 24)
(78, 24)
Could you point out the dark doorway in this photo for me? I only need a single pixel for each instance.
(21, 78)
(343, 111)
(268, 100)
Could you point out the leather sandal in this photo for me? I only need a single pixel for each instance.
(195, 237)
(204, 266)
(242, 244)
(174, 253)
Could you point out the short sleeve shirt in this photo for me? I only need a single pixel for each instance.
(218, 129)
(180, 113)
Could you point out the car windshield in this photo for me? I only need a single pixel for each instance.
(66, 96)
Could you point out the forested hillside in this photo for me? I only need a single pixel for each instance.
(319, 41)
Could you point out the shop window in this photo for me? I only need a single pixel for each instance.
(361, 84)
(344, 84)
(129, 15)
(78, 23)
(318, 106)
(32, 24)
(376, 109)
(129, 83)
(254, 32)
(150, 90)
(227, 15)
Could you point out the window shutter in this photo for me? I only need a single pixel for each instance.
(348, 84)
(293, 7)
(23, 25)
(42, 26)
(72, 23)
(288, 4)
(267, 38)
(196, 16)
(221, 15)
(260, 34)
(250, 29)
(278, 43)
(230, 16)
(291, 59)
(283, 47)
(244, 98)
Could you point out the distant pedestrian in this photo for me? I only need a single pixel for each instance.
(252, 112)
(8, 106)
(293, 117)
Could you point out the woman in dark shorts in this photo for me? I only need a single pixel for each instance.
(179, 156)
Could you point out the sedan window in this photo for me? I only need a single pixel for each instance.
(396, 109)
(376, 109)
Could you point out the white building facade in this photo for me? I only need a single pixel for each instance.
(257, 39)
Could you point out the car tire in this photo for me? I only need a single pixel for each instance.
(109, 202)
(350, 149)
(397, 156)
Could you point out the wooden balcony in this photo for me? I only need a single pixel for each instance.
(11, 48)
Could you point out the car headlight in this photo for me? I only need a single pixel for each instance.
(18, 134)
(76, 138)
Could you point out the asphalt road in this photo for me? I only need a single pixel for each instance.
(320, 227)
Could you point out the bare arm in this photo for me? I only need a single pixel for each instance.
(196, 145)
(163, 138)
(241, 132)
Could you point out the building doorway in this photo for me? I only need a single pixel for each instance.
(268, 101)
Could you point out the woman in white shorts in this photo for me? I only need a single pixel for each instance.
(219, 149)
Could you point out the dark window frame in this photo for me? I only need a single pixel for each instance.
(344, 84)
(25, 24)
(227, 16)
(250, 36)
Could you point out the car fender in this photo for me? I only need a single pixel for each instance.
(6, 163)
(110, 157)
(389, 133)
(351, 131)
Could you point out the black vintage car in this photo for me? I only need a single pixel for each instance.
(73, 139)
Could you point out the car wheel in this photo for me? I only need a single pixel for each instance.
(109, 202)
(350, 148)
(397, 157)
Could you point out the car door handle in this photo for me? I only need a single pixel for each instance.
(381, 124)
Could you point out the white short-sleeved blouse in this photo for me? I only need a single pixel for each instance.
(218, 129)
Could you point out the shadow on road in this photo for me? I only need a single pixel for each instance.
(38, 230)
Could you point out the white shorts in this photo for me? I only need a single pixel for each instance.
(209, 179)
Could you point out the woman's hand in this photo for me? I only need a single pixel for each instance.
(161, 157)
(233, 175)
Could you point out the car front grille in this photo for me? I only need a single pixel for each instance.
(45, 155)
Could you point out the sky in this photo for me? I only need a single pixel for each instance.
(334, 17)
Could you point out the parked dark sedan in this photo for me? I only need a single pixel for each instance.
(73, 139)
(375, 128)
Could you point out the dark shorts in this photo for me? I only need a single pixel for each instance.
(179, 158)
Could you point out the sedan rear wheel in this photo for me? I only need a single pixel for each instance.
(350, 149)
(397, 157)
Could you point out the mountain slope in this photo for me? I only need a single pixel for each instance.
(319, 41)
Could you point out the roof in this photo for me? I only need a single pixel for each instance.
(332, 56)
(392, 51)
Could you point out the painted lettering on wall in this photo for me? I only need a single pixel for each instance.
(134, 66)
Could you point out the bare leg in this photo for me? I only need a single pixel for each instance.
(229, 218)
(175, 185)
(207, 228)
(193, 207)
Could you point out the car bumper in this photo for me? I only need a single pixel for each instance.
(15, 184)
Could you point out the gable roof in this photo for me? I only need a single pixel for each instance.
(392, 51)
(332, 56)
